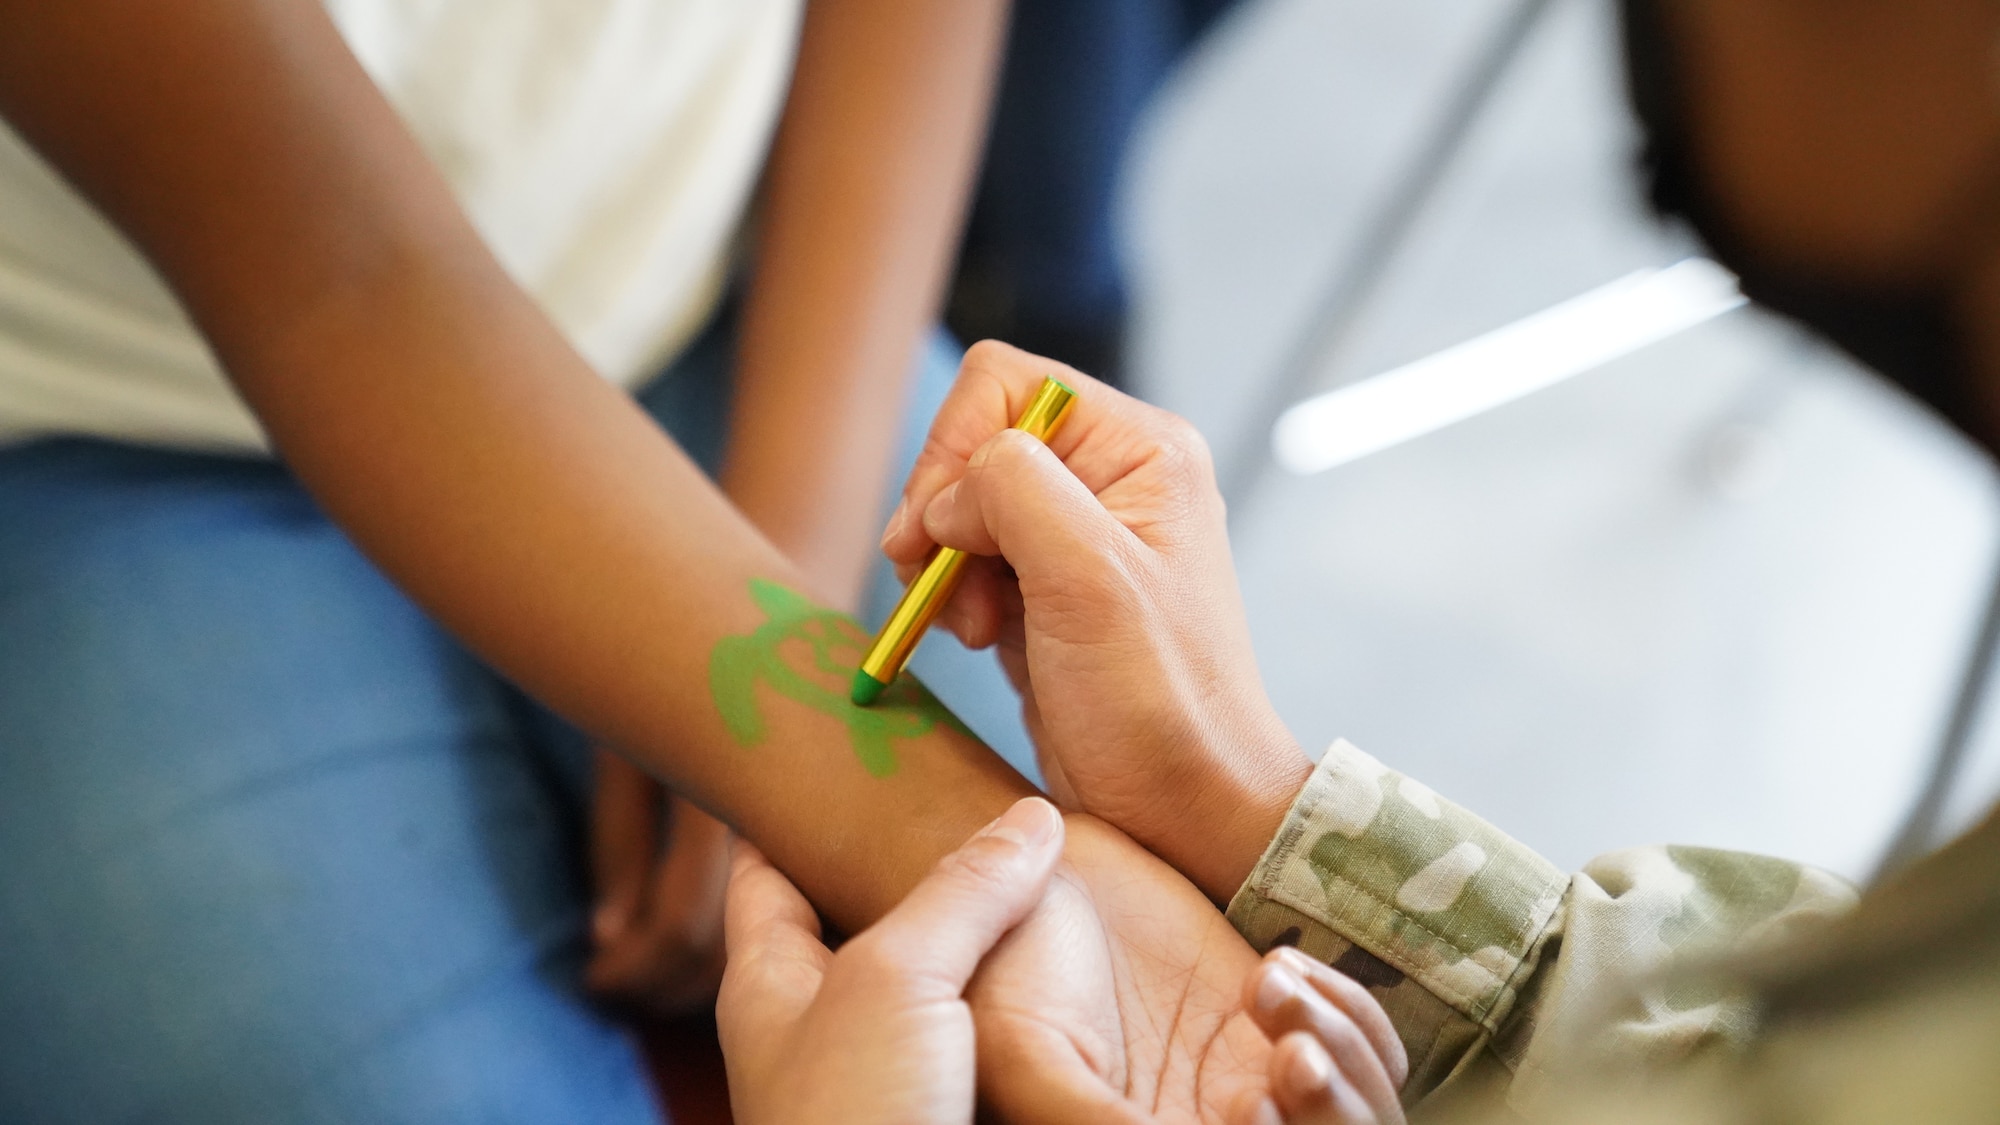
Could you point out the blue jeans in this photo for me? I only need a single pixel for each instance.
(273, 848)
(1041, 257)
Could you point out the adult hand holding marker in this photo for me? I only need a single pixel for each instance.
(1100, 565)
(933, 586)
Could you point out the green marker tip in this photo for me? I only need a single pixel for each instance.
(866, 689)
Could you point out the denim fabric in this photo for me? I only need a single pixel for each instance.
(273, 848)
(1041, 252)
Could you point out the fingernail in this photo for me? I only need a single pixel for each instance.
(1311, 1070)
(940, 506)
(980, 456)
(1030, 823)
(1266, 1114)
(1279, 985)
(897, 519)
(1297, 961)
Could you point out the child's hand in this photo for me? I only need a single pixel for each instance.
(1115, 609)
(656, 923)
(878, 1031)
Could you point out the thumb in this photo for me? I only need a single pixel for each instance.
(776, 960)
(932, 942)
(1019, 501)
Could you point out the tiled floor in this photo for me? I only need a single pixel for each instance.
(1718, 592)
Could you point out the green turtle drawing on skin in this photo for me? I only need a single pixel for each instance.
(807, 653)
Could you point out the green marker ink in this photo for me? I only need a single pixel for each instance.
(928, 592)
(831, 643)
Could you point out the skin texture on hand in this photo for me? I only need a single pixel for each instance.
(878, 1032)
(1111, 1029)
(1114, 999)
(1117, 1000)
(1115, 610)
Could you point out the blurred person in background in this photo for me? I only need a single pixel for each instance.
(1041, 266)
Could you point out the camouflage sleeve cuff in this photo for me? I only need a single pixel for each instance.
(1374, 872)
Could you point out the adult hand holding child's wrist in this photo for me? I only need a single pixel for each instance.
(1106, 581)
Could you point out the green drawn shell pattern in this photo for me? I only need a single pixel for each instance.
(739, 663)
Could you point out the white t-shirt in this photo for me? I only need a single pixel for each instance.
(604, 148)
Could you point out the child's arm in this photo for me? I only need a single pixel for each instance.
(531, 507)
(862, 204)
(446, 425)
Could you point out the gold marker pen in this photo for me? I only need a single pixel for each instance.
(933, 585)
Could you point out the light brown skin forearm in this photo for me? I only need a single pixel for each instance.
(440, 418)
(863, 203)
(864, 200)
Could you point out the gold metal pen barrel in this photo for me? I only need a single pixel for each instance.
(1047, 411)
(926, 595)
(933, 586)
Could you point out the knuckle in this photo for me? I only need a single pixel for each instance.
(985, 355)
(936, 456)
(991, 367)
(879, 956)
(1011, 449)
(979, 867)
(736, 986)
(1347, 993)
(1185, 454)
(1107, 590)
(1182, 435)
(1011, 366)
(1342, 1039)
(761, 972)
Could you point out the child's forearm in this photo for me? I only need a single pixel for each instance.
(444, 422)
(547, 522)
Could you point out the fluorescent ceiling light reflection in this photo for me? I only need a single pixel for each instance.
(1501, 366)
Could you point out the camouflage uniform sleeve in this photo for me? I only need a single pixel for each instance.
(1494, 964)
